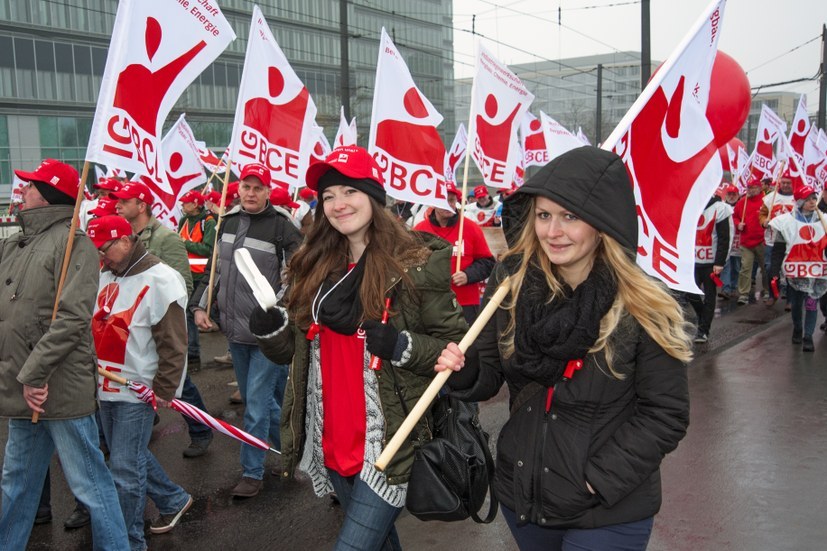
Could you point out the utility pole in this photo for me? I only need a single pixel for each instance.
(822, 92)
(598, 114)
(344, 74)
(645, 46)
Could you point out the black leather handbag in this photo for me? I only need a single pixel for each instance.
(452, 473)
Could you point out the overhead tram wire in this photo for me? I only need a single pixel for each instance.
(813, 39)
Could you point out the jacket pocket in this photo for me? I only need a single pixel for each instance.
(563, 474)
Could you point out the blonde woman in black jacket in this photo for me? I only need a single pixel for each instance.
(594, 354)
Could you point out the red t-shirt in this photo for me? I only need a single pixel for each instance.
(343, 400)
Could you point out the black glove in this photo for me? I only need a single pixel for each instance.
(266, 322)
(384, 341)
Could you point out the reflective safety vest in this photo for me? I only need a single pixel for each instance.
(198, 264)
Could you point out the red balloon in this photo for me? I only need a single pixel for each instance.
(729, 98)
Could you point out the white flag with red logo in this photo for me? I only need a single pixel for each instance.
(456, 154)
(557, 138)
(498, 102)
(183, 172)
(275, 115)
(535, 152)
(403, 135)
(770, 128)
(210, 160)
(115, 173)
(744, 163)
(100, 174)
(799, 130)
(668, 146)
(158, 48)
(16, 190)
(814, 158)
(583, 138)
(346, 134)
(321, 147)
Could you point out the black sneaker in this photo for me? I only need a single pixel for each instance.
(79, 518)
(701, 337)
(43, 516)
(808, 345)
(165, 523)
(797, 334)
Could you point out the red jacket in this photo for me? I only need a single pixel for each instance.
(753, 233)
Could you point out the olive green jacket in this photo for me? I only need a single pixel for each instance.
(431, 316)
(34, 350)
(169, 247)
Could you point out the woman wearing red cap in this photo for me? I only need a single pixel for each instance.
(594, 354)
(358, 266)
(799, 247)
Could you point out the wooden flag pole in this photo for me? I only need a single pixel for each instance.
(67, 255)
(472, 129)
(436, 384)
(213, 262)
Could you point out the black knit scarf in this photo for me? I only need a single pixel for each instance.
(548, 335)
(341, 310)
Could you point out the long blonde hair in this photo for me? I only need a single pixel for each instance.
(647, 300)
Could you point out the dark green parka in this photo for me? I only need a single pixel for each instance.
(431, 315)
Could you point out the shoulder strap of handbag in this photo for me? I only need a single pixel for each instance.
(493, 503)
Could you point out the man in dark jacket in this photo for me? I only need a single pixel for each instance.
(271, 238)
(48, 367)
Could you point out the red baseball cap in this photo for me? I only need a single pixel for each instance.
(232, 192)
(803, 192)
(105, 207)
(60, 176)
(281, 197)
(307, 194)
(212, 197)
(192, 197)
(351, 161)
(259, 171)
(451, 188)
(731, 189)
(754, 182)
(110, 184)
(106, 228)
(134, 190)
(480, 191)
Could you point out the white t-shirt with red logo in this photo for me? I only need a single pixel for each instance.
(804, 265)
(777, 205)
(126, 310)
(483, 216)
(706, 238)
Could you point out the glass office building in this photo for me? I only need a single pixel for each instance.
(53, 53)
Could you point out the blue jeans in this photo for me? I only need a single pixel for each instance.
(28, 452)
(798, 300)
(261, 383)
(730, 274)
(369, 520)
(136, 472)
(629, 536)
(190, 395)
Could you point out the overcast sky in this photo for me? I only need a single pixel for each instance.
(754, 33)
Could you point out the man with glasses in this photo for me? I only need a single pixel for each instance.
(140, 333)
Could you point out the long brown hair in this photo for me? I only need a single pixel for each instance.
(646, 299)
(323, 255)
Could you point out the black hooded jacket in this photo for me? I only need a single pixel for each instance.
(610, 432)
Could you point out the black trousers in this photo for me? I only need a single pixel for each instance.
(704, 305)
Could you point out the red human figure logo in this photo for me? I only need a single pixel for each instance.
(654, 166)
(703, 237)
(412, 143)
(535, 140)
(281, 124)
(111, 330)
(495, 139)
(139, 91)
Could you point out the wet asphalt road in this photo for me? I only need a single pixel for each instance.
(748, 476)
